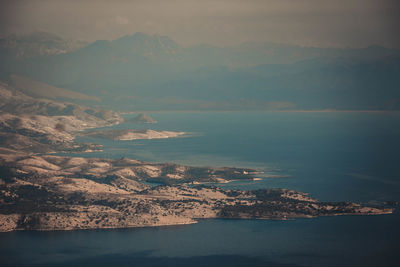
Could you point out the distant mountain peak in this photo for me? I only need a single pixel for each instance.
(140, 37)
(149, 46)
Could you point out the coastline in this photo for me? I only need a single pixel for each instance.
(73, 193)
(195, 221)
(130, 134)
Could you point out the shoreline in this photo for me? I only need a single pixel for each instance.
(261, 110)
(178, 224)
(131, 134)
(83, 193)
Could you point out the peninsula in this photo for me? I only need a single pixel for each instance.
(130, 134)
(41, 191)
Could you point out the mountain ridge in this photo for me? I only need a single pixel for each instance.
(144, 72)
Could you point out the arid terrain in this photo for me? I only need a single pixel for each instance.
(42, 191)
(125, 135)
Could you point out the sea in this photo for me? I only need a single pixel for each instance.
(333, 156)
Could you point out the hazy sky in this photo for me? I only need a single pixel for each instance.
(347, 23)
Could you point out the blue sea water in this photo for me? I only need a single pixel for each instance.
(334, 156)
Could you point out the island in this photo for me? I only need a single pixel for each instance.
(142, 118)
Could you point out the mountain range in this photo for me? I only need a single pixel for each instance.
(153, 72)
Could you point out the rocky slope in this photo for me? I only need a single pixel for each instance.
(43, 125)
(42, 90)
(62, 193)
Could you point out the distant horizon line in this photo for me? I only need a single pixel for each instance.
(265, 110)
(152, 35)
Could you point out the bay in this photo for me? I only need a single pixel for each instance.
(334, 156)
